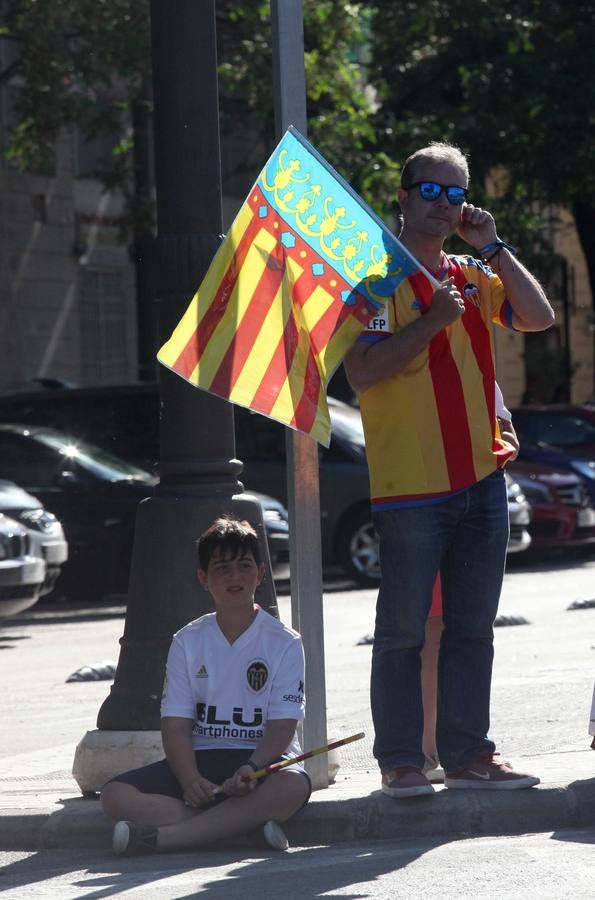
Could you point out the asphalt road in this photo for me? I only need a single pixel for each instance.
(543, 681)
(554, 866)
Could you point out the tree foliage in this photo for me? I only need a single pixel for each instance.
(88, 62)
(339, 103)
(511, 83)
(80, 61)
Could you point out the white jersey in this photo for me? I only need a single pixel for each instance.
(230, 691)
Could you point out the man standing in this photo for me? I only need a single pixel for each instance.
(424, 375)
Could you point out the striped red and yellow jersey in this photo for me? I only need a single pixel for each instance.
(431, 430)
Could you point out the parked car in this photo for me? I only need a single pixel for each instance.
(562, 514)
(21, 574)
(95, 495)
(519, 516)
(46, 534)
(570, 428)
(276, 525)
(561, 461)
(125, 419)
(122, 419)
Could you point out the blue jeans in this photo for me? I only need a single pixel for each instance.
(465, 538)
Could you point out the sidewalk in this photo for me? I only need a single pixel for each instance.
(541, 695)
(42, 806)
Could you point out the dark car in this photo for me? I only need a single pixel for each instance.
(562, 514)
(276, 525)
(570, 428)
(125, 418)
(560, 436)
(561, 461)
(95, 495)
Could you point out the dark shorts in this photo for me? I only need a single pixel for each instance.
(216, 765)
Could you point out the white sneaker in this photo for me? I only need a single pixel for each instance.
(274, 835)
(133, 840)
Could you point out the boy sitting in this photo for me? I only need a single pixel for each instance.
(232, 698)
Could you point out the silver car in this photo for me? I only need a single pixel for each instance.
(21, 573)
(45, 532)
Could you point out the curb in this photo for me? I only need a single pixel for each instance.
(352, 810)
(468, 813)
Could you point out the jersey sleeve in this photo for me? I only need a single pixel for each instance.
(287, 699)
(381, 326)
(177, 699)
(501, 308)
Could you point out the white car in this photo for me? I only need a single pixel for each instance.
(46, 535)
(21, 573)
(519, 515)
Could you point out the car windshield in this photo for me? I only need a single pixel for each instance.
(555, 429)
(99, 462)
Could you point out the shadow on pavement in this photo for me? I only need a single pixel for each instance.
(554, 561)
(263, 874)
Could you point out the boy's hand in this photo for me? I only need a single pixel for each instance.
(198, 791)
(236, 787)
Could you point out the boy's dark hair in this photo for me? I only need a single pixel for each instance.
(229, 536)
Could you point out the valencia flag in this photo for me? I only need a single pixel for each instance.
(302, 270)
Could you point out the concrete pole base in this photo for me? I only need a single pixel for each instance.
(334, 763)
(102, 754)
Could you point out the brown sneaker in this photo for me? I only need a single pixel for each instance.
(488, 773)
(405, 781)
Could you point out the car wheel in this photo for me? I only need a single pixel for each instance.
(358, 549)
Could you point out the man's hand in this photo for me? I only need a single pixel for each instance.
(236, 787)
(447, 304)
(198, 792)
(509, 435)
(477, 226)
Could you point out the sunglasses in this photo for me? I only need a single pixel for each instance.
(431, 190)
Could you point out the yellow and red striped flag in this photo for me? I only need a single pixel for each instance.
(302, 270)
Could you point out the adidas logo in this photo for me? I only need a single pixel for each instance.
(202, 672)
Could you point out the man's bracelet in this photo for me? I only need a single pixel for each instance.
(252, 764)
(496, 246)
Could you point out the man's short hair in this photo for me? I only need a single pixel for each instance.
(229, 538)
(436, 151)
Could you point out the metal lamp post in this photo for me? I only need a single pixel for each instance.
(198, 469)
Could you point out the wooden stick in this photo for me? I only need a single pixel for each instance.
(274, 767)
